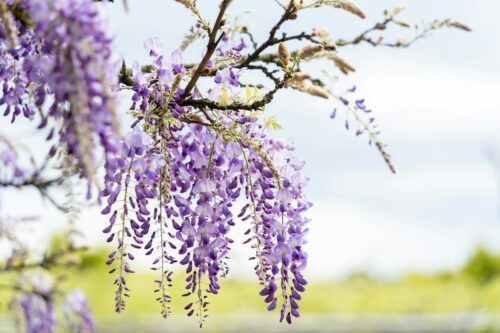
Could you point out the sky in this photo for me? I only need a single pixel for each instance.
(437, 103)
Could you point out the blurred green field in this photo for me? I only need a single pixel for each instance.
(474, 288)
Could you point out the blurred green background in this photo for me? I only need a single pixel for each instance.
(465, 300)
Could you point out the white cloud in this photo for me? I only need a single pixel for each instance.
(345, 238)
(426, 183)
(419, 99)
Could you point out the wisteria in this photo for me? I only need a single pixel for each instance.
(64, 62)
(178, 182)
(11, 170)
(38, 314)
(35, 307)
(198, 159)
(77, 312)
(359, 115)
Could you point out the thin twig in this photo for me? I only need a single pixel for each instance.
(289, 11)
(213, 41)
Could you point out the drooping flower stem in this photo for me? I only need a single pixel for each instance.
(164, 298)
(258, 251)
(211, 156)
(120, 302)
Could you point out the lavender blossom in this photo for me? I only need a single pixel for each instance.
(77, 312)
(78, 67)
(36, 308)
(66, 61)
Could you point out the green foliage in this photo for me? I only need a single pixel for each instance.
(463, 290)
(483, 267)
(272, 123)
(94, 259)
(413, 293)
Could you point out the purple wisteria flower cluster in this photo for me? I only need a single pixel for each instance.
(179, 183)
(77, 312)
(63, 61)
(358, 114)
(35, 307)
(10, 167)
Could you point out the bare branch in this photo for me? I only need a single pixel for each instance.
(290, 13)
(213, 41)
(206, 103)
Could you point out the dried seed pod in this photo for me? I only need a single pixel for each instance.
(457, 25)
(310, 50)
(284, 55)
(350, 7)
(320, 32)
(192, 118)
(401, 23)
(318, 91)
(300, 76)
(341, 63)
(177, 81)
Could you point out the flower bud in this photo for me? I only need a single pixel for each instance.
(284, 55)
(300, 76)
(320, 32)
(402, 23)
(397, 10)
(341, 63)
(310, 50)
(177, 82)
(8, 22)
(350, 7)
(318, 91)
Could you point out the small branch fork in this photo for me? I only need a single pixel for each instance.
(213, 41)
(35, 179)
(61, 257)
(40, 184)
(290, 13)
(207, 103)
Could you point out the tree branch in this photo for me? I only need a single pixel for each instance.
(213, 41)
(289, 13)
(207, 103)
(48, 260)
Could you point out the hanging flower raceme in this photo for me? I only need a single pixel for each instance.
(10, 169)
(16, 84)
(358, 113)
(37, 314)
(277, 205)
(77, 312)
(64, 58)
(35, 307)
(77, 65)
(132, 178)
(178, 179)
(205, 186)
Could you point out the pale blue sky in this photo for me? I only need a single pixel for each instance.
(437, 104)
